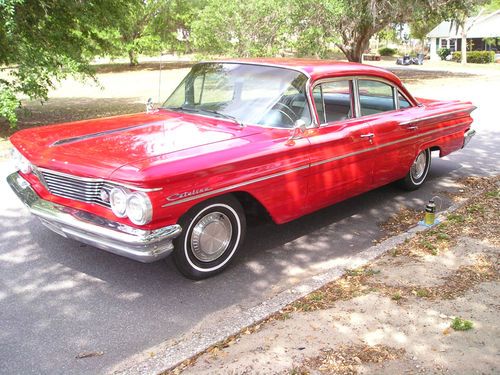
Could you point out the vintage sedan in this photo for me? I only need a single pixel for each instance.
(279, 137)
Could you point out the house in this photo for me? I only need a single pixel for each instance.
(483, 34)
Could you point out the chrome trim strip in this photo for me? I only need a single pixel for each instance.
(98, 134)
(437, 116)
(232, 187)
(384, 145)
(97, 180)
(134, 243)
(314, 117)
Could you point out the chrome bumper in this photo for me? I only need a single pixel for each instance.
(141, 245)
(468, 136)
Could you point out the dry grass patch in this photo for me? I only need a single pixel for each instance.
(405, 218)
(345, 359)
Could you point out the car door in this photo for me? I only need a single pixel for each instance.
(383, 107)
(341, 147)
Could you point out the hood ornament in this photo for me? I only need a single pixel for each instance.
(149, 105)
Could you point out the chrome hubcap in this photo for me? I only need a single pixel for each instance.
(211, 236)
(418, 167)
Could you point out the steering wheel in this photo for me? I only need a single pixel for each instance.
(286, 111)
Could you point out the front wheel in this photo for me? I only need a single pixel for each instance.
(213, 232)
(418, 171)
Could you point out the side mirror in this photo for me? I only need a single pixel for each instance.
(299, 129)
(149, 105)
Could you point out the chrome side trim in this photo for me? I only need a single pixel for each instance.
(241, 184)
(384, 145)
(138, 244)
(231, 187)
(89, 179)
(437, 116)
(99, 134)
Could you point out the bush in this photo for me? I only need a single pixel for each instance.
(476, 57)
(443, 53)
(386, 51)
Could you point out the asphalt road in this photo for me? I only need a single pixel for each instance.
(59, 298)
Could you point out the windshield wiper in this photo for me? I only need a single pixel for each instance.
(212, 111)
(229, 117)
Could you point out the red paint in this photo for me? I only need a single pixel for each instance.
(182, 152)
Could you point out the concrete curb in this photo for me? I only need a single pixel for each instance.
(168, 357)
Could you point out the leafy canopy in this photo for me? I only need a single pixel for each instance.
(42, 41)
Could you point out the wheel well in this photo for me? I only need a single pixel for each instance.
(436, 148)
(254, 210)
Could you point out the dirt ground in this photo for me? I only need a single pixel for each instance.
(429, 306)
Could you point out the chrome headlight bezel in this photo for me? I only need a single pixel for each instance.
(21, 163)
(139, 208)
(118, 191)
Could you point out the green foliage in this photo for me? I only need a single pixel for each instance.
(42, 41)
(443, 53)
(396, 296)
(492, 6)
(8, 104)
(459, 324)
(386, 51)
(150, 26)
(237, 28)
(475, 57)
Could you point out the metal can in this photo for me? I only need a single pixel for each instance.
(430, 213)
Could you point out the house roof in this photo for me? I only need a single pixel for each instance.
(487, 26)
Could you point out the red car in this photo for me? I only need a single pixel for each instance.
(235, 137)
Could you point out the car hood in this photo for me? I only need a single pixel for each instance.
(98, 147)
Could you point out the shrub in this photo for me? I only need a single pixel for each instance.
(386, 51)
(476, 57)
(443, 53)
(459, 324)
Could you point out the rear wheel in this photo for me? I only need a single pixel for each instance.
(418, 171)
(213, 232)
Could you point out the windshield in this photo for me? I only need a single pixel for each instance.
(244, 93)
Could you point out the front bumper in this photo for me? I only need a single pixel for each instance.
(141, 245)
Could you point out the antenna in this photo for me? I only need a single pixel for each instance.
(159, 80)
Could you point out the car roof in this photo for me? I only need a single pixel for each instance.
(318, 69)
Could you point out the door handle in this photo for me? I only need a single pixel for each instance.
(369, 135)
(409, 125)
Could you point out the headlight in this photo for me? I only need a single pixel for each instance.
(139, 209)
(118, 200)
(20, 162)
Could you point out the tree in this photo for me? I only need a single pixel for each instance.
(151, 25)
(459, 13)
(43, 41)
(243, 28)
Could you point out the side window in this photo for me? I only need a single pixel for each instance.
(375, 97)
(333, 101)
(403, 103)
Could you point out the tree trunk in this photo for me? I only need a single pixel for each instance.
(132, 57)
(353, 49)
(464, 48)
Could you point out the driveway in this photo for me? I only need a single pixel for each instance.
(60, 298)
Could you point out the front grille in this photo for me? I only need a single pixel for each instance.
(80, 189)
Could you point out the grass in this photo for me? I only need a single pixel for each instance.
(459, 324)
(396, 296)
(423, 293)
(456, 218)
